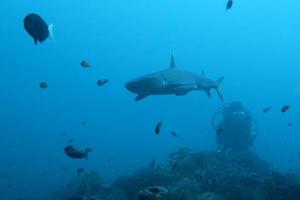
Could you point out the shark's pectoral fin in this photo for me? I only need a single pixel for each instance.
(207, 91)
(181, 93)
(220, 94)
(219, 82)
(140, 97)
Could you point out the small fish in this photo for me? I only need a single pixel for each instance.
(63, 133)
(37, 28)
(220, 130)
(4, 176)
(229, 4)
(76, 153)
(85, 64)
(158, 127)
(174, 134)
(71, 141)
(43, 85)
(290, 124)
(80, 171)
(102, 82)
(83, 123)
(267, 109)
(285, 108)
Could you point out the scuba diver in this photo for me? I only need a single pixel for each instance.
(236, 130)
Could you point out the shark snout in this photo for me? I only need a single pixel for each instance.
(145, 85)
(132, 86)
(128, 85)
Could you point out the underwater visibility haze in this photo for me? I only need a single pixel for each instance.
(150, 100)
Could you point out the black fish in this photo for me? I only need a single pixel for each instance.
(71, 141)
(285, 108)
(63, 133)
(102, 82)
(76, 153)
(80, 171)
(174, 134)
(85, 64)
(37, 28)
(229, 4)
(290, 124)
(267, 109)
(158, 127)
(4, 176)
(43, 85)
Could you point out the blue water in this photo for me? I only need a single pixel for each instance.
(255, 46)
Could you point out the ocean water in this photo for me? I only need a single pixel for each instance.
(255, 46)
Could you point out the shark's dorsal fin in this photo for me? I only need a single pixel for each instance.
(172, 64)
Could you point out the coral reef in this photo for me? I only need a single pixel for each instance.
(87, 188)
(217, 175)
(90, 184)
(152, 193)
(209, 196)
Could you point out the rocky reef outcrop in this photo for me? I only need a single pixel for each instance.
(216, 175)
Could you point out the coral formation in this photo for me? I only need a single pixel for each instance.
(152, 193)
(217, 175)
(90, 184)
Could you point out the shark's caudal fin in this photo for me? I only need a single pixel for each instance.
(172, 64)
(51, 32)
(219, 82)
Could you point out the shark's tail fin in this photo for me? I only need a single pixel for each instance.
(219, 82)
(51, 31)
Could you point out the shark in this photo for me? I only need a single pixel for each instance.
(173, 81)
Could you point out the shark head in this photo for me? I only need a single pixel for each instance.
(146, 84)
(149, 84)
